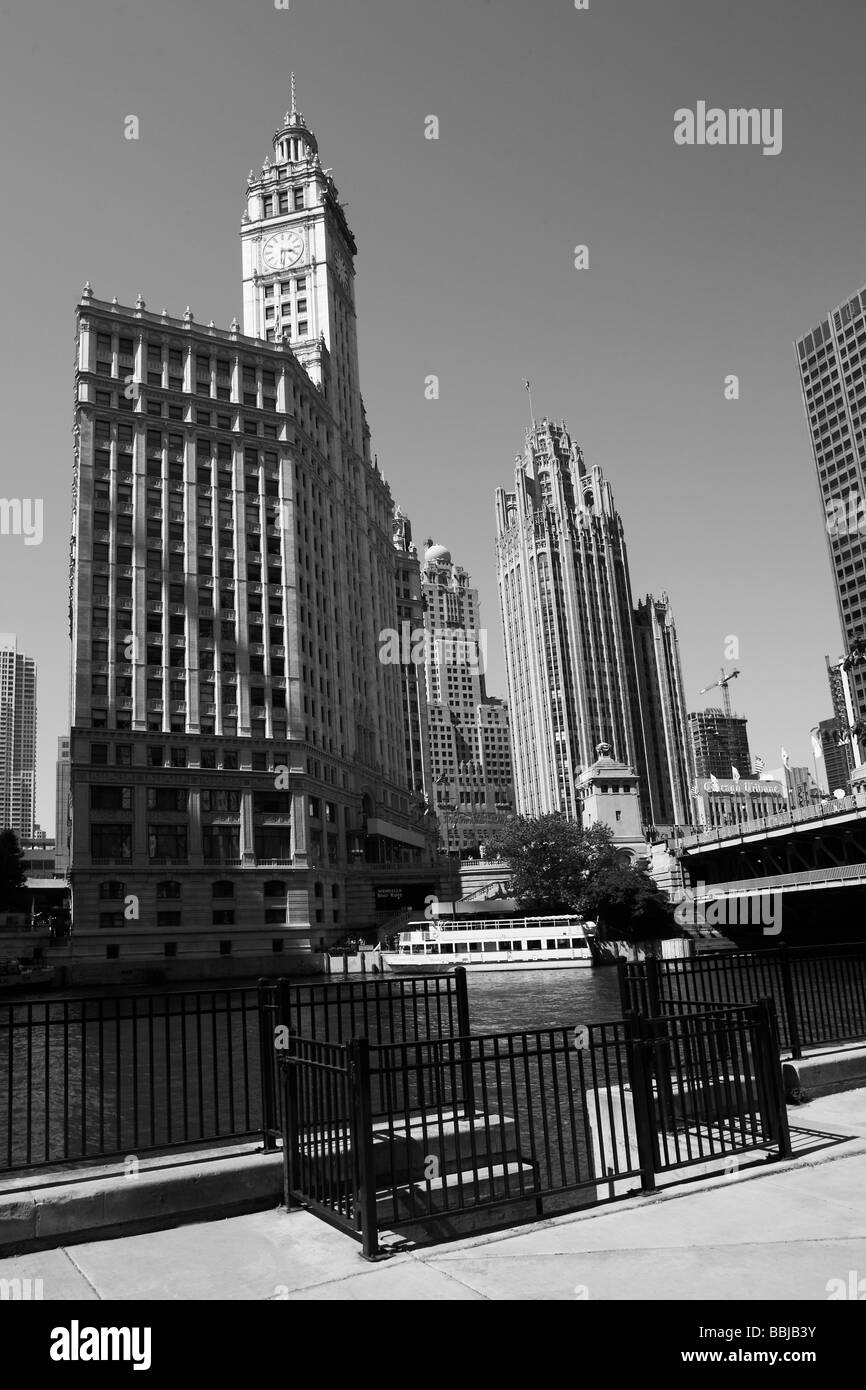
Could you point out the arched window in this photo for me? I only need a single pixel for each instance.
(318, 889)
(275, 888)
(112, 889)
(169, 888)
(223, 888)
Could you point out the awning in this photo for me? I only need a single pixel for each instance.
(389, 831)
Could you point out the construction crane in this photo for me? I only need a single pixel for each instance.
(722, 684)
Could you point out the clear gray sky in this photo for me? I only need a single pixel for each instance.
(556, 129)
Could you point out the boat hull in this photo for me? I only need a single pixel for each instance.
(440, 965)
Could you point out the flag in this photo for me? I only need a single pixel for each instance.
(839, 794)
(735, 773)
(785, 758)
(816, 746)
(759, 764)
(526, 384)
(714, 782)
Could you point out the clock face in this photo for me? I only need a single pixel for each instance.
(282, 250)
(342, 270)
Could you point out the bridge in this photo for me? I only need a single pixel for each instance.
(801, 854)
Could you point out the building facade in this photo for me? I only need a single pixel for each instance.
(583, 668)
(831, 361)
(17, 738)
(719, 744)
(468, 731)
(413, 683)
(237, 747)
(63, 819)
(726, 801)
(670, 752)
(837, 755)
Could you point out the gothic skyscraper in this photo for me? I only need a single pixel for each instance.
(583, 670)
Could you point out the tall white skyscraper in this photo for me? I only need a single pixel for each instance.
(583, 668)
(831, 361)
(17, 738)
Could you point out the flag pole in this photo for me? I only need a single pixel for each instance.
(528, 386)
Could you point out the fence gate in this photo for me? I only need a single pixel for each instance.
(443, 1136)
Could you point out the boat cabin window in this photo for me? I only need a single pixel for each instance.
(502, 945)
(563, 944)
(490, 945)
(418, 950)
(446, 948)
(475, 945)
(551, 945)
(460, 946)
(533, 945)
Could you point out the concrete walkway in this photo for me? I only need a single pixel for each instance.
(776, 1231)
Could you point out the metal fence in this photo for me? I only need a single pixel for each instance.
(449, 1134)
(819, 991)
(110, 1076)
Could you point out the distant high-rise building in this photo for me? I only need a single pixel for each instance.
(468, 731)
(836, 751)
(63, 811)
(719, 744)
(17, 738)
(832, 367)
(572, 641)
(668, 740)
(410, 623)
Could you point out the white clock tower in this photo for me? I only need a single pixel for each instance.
(298, 271)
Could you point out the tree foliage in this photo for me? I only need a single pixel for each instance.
(558, 866)
(12, 875)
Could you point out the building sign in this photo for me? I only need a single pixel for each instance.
(741, 788)
(391, 897)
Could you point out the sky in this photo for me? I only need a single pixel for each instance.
(556, 129)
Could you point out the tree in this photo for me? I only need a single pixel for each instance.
(558, 866)
(12, 875)
(550, 859)
(625, 902)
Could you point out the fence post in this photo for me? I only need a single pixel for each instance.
(362, 1145)
(642, 1099)
(653, 996)
(287, 1075)
(267, 1067)
(794, 1041)
(463, 1031)
(768, 1033)
(625, 999)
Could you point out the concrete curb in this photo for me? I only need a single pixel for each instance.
(826, 1074)
(59, 1212)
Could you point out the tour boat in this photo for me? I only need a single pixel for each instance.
(14, 975)
(492, 944)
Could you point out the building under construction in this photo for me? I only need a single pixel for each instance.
(719, 743)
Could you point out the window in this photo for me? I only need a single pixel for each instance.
(110, 798)
(112, 889)
(274, 888)
(277, 946)
(112, 952)
(123, 755)
(170, 947)
(225, 948)
(99, 753)
(111, 921)
(166, 798)
(167, 842)
(111, 842)
(168, 890)
(275, 915)
(223, 888)
(155, 755)
(178, 757)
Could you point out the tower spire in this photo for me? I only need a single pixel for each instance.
(294, 105)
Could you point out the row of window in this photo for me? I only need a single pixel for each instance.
(171, 889)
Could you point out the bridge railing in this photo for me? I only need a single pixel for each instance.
(796, 816)
(819, 991)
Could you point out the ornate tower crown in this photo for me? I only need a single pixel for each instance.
(294, 142)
